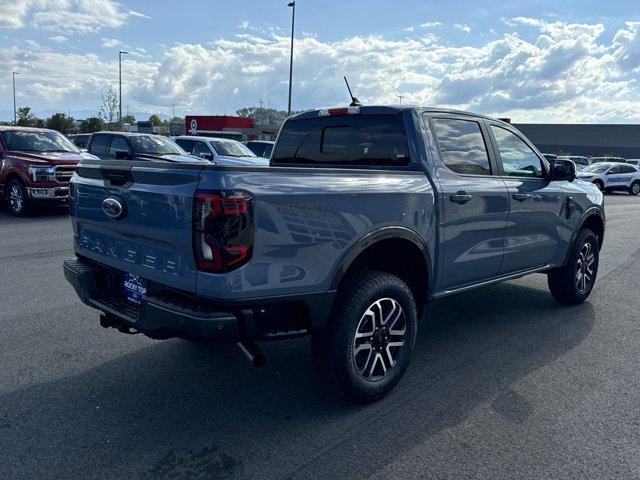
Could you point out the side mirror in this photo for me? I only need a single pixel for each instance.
(206, 156)
(563, 170)
(122, 155)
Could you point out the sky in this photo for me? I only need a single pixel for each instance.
(535, 61)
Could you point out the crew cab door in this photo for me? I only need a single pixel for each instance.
(536, 224)
(473, 201)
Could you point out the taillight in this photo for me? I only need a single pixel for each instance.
(222, 230)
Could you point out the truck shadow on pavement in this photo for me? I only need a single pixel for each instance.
(177, 410)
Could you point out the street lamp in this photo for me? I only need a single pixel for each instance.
(15, 115)
(120, 53)
(293, 25)
(400, 97)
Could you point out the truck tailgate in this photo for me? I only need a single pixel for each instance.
(152, 236)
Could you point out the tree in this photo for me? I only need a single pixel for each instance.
(109, 110)
(266, 117)
(155, 120)
(91, 124)
(129, 119)
(176, 119)
(61, 123)
(28, 119)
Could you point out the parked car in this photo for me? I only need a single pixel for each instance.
(137, 146)
(610, 176)
(220, 150)
(551, 157)
(80, 140)
(35, 166)
(365, 214)
(261, 148)
(581, 162)
(608, 159)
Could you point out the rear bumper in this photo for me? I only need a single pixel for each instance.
(162, 314)
(48, 193)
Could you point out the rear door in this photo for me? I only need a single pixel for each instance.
(536, 224)
(152, 235)
(473, 199)
(620, 176)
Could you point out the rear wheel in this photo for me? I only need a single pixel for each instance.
(16, 198)
(599, 184)
(369, 341)
(634, 189)
(573, 282)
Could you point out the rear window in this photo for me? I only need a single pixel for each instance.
(362, 140)
(99, 144)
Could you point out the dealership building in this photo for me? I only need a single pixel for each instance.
(592, 140)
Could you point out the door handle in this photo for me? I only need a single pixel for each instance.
(521, 197)
(460, 197)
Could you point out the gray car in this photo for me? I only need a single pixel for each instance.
(365, 214)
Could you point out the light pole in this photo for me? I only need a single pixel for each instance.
(293, 26)
(15, 115)
(400, 97)
(120, 53)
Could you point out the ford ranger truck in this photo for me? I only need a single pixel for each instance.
(36, 166)
(363, 216)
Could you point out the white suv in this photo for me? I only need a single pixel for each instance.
(222, 151)
(610, 176)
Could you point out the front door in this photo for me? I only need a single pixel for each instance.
(536, 223)
(473, 199)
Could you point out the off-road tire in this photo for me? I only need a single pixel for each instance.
(564, 281)
(333, 348)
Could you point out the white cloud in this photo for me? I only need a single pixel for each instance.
(111, 43)
(463, 27)
(563, 72)
(409, 29)
(430, 24)
(58, 38)
(81, 16)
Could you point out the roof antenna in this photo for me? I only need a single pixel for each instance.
(354, 101)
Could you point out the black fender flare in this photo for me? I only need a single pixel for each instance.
(589, 212)
(371, 238)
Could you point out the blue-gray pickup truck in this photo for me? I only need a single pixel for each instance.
(363, 216)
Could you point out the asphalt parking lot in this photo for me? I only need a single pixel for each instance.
(505, 383)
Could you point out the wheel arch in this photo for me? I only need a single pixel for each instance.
(593, 219)
(395, 249)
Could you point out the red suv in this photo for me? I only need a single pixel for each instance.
(36, 164)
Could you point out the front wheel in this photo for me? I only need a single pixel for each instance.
(16, 198)
(573, 282)
(634, 189)
(369, 342)
(599, 184)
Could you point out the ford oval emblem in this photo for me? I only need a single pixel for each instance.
(113, 208)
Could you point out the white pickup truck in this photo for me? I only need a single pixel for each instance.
(609, 176)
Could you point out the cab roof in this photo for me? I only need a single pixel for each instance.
(395, 110)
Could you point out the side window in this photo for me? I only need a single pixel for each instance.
(627, 169)
(518, 159)
(99, 144)
(462, 147)
(614, 170)
(200, 147)
(187, 145)
(118, 144)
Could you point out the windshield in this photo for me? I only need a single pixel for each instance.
(231, 148)
(155, 145)
(596, 168)
(46, 141)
